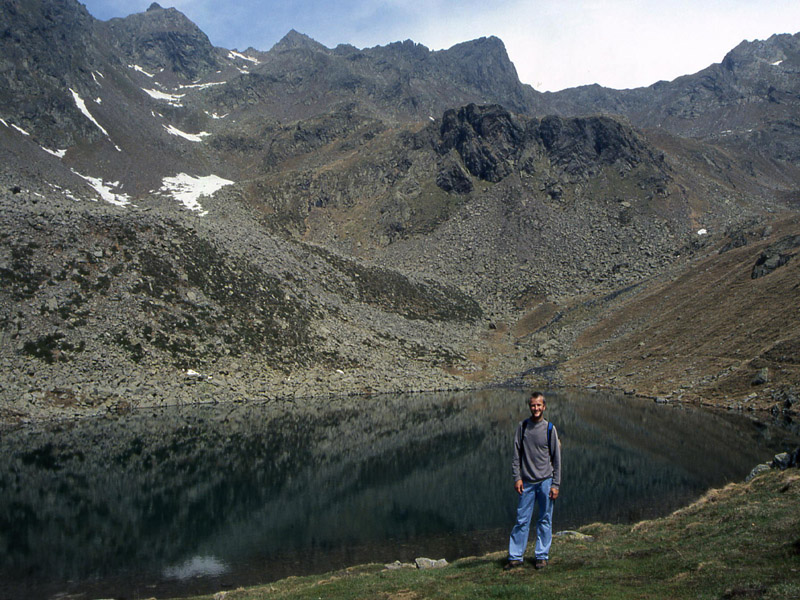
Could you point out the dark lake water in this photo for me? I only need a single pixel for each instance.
(176, 501)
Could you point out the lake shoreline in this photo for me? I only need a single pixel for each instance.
(50, 413)
(607, 560)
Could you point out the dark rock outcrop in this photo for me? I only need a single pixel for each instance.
(777, 255)
(488, 139)
(492, 142)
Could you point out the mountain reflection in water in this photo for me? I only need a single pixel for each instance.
(174, 501)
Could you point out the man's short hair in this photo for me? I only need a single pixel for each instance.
(536, 396)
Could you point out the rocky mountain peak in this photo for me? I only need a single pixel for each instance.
(777, 49)
(484, 54)
(484, 64)
(164, 39)
(294, 40)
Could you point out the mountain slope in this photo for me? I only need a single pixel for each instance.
(747, 356)
(182, 222)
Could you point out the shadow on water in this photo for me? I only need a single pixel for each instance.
(179, 501)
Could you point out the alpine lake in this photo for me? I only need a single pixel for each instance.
(196, 499)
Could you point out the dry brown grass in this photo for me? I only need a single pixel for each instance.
(702, 335)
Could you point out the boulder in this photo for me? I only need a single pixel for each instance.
(758, 470)
(397, 565)
(775, 256)
(761, 377)
(453, 178)
(781, 461)
(429, 563)
(785, 460)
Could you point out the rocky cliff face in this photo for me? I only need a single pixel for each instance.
(163, 39)
(748, 104)
(46, 48)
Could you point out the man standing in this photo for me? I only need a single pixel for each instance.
(537, 476)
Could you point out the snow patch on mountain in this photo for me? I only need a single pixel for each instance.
(173, 99)
(232, 54)
(20, 129)
(140, 70)
(188, 189)
(201, 86)
(105, 190)
(82, 107)
(192, 137)
(56, 153)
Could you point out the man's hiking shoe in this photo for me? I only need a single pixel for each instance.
(540, 563)
(512, 564)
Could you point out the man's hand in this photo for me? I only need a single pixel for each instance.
(518, 486)
(553, 493)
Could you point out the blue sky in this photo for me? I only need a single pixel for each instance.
(553, 43)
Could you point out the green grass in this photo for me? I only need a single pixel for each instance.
(742, 541)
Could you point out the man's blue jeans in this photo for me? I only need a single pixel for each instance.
(538, 493)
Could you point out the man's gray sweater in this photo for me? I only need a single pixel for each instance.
(533, 459)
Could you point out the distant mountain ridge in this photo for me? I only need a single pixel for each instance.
(300, 78)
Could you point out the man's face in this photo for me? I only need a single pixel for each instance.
(537, 407)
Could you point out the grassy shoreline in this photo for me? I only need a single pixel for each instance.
(740, 541)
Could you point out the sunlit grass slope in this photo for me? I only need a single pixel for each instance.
(741, 541)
